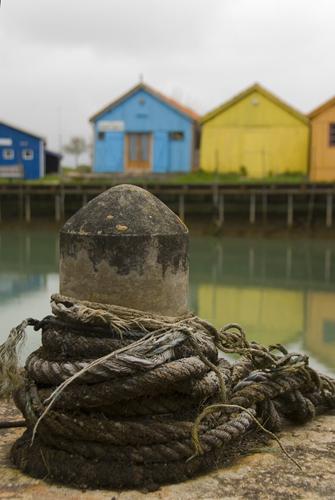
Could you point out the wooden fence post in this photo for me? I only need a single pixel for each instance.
(265, 206)
(329, 210)
(290, 210)
(181, 207)
(252, 212)
(221, 210)
(27, 208)
(57, 208)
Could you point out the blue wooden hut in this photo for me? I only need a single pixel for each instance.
(21, 153)
(144, 131)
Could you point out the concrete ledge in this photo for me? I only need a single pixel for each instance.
(265, 474)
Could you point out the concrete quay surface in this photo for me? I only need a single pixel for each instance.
(261, 475)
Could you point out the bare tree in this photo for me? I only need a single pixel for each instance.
(76, 147)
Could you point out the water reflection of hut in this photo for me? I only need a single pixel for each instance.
(320, 326)
(14, 284)
(28, 252)
(268, 315)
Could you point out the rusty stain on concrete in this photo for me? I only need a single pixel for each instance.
(121, 228)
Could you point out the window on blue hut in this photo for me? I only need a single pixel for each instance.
(176, 136)
(27, 154)
(332, 134)
(101, 136)
(8, 154)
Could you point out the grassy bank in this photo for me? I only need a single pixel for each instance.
(198, 177)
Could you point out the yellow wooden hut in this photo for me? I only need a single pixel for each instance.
(322, 159)
(255, 133)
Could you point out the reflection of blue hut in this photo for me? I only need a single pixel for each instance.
(13, 285)
(320, 326)
(144, 131)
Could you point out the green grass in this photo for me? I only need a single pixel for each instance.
(198, 177)
(201, 177)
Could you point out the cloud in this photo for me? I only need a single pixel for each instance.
(111, 25)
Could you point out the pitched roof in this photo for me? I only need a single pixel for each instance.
(24, 131)
(142, 86)
(265, 93)
(320, 109)
(53, 153)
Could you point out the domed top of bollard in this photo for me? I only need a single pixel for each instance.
(125, 209)
(126, 247)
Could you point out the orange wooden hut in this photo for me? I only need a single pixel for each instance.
(322, 153)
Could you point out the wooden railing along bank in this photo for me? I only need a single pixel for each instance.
(289, 203)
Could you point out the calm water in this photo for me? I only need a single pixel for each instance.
(278, 290)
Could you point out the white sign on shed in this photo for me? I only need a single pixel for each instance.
(5, 141)
(111, 126)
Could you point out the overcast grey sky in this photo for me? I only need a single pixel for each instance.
(62, 60)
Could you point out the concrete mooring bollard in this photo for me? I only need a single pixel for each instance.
(125, 247)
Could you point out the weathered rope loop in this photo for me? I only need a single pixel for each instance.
(117, 397)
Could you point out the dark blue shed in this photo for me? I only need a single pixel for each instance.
(52, 162)
(21, 153)
(144, 131)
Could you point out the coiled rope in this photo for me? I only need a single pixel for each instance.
(117, 398)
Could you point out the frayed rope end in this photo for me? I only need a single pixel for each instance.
(10, 372)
